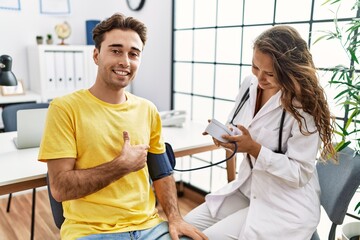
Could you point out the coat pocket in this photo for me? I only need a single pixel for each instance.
(269, 138)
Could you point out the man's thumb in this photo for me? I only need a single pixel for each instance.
(126, 137)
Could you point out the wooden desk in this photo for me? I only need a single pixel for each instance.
(20, 170)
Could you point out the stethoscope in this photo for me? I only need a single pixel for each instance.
(244, 98)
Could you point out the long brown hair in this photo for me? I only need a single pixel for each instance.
(297, 77)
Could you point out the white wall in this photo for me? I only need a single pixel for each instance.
(19, 29)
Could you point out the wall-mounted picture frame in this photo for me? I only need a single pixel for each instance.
(13, 90)
(10, 5)
(57, 7)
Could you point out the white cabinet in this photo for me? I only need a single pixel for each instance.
(56, 70)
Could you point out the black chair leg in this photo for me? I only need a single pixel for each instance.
(9, 203)
(33, 214)
(332, 232)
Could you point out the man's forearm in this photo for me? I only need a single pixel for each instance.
(73, 184)
(166, 193)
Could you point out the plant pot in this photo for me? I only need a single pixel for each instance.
(39, 41)
(350, 231)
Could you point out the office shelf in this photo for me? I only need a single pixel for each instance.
(56, 70)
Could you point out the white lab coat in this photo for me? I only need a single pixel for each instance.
(283, 189)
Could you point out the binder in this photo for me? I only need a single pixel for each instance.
(70, 71)
(60, 71)
(50, 71)
(79, 70)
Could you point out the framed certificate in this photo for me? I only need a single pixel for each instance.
(55, 7)
(10, 4)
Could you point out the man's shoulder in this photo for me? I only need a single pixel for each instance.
(140, 100)
(71, 98)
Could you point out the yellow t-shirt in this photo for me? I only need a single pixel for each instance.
(83, 127)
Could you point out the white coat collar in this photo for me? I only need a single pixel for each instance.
(273, 103)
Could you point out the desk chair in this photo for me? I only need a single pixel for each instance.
(56, 207)
(10, 124)
(338, 185)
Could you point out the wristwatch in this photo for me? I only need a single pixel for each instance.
(135, 5)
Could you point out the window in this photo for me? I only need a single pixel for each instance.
(213, 51)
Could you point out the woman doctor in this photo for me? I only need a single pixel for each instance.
(276, 194)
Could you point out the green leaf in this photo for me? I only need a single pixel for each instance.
(357, 207)
(353, 114)
(353, 56)
(330, 1)
(320, 38)
(340, 94)
(341, 145)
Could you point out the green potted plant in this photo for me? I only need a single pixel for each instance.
(347, 80)
(49, 39)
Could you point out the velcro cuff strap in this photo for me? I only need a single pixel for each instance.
(159, 165)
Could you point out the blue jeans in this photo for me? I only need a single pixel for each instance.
(159, 232)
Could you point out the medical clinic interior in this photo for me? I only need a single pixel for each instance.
(195, 58)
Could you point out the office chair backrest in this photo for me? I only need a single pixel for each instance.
(338, 183)
(56, 207)
(9, 114)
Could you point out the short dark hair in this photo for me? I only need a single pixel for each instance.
(118, 21)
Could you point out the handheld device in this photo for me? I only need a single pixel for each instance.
(216, 129)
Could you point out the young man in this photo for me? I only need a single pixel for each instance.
(97, 143)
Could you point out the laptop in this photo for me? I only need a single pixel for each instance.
(30, 127)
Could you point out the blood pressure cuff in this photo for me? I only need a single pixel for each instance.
(161, 165)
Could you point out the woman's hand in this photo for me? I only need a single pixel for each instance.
(244, 142)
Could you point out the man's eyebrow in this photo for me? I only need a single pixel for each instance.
(115, 45)
(120, 45)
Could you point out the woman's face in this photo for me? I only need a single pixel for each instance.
(262, 68)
